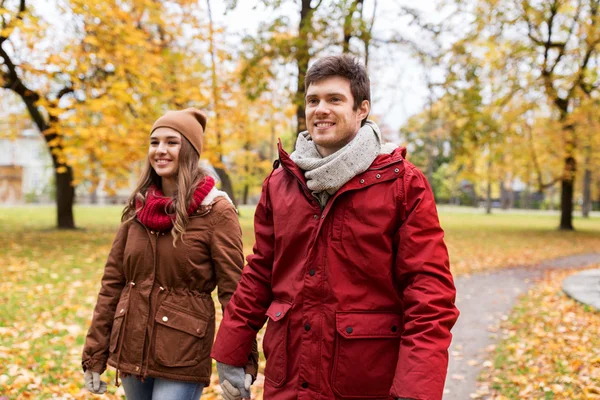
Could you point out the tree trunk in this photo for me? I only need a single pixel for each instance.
(65, 191)
(511, 198)
(598, 191)
(587, 193)
(526, 200)
(504, 200)
(367, 36)
(65, 197)
(302, 60)
(552, 195)
(566, 195)
(94, 196)
(226, 184)
(273, 146)
(348, 28)
(488, 192)
(245, 195)
(488, 198)
(430, 160)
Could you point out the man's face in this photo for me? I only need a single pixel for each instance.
(331, 121)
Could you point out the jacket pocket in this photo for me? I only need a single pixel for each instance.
(179, 336)
(115, 332)
(275, 343)
(366, 354)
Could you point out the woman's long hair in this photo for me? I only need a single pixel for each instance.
(189, 176)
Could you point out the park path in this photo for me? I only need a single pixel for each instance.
(483, 299)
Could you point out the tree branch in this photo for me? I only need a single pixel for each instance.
(416, 18)
(369, 35)
(580, 81)
(561, 53)
(548, 43)
(64, 91)
(2, 16)
(530, 25)
(348, 19)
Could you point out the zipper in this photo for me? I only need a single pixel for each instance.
(303, 185)
(147, 355)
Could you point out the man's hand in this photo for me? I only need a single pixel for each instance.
(235, 382)
(93, 383)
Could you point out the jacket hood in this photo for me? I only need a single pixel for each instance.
(213, 194)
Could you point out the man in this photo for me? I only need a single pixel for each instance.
(349, 265)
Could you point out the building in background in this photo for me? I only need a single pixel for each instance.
(26, 173)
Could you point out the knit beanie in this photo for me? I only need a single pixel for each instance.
(190, 122)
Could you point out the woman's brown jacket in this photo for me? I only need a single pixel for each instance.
(155, 315)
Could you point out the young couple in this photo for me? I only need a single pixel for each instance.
(349, 267)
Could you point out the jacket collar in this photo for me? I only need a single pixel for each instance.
(378, 172)
(380, 161)
(288, 164)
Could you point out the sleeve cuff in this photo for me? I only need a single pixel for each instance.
(94, 365)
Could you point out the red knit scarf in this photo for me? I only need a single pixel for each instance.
(154, 215)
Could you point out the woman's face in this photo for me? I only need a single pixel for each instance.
(163, 153)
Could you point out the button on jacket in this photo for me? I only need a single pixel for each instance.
(359, 296)
(155, 315)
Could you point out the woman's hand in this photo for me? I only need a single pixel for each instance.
(93, 383)
(234, 382)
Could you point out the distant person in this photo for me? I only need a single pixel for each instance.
(349, 265)
(179, 238)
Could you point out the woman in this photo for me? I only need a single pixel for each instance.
(179, 238)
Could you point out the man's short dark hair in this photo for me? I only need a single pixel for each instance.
(347, 67)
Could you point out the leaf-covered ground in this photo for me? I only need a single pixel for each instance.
(51, 278)
(550, 348)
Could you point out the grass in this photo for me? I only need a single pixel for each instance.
(51, 278)
(479, 242)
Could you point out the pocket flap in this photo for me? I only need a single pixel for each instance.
(278, 309)
(366, 325)
(177, 317)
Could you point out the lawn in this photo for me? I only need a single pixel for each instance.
(479, 242)
(51, 278)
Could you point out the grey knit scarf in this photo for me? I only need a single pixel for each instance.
(325, 175)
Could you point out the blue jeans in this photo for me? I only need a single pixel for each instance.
(160, 389)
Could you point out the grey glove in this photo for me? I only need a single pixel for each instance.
(235, 382)
(93, 382)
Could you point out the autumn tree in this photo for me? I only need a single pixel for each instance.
(319, 28)
(554, 46)
(94, 93)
